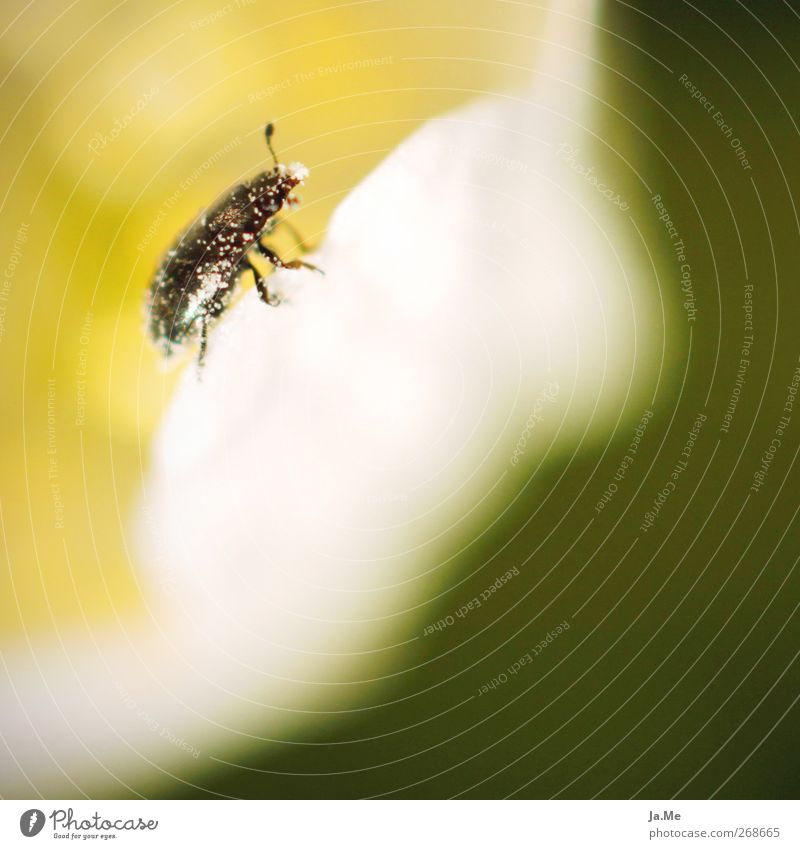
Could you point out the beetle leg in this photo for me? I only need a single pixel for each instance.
(261, 285)
(300, 242)
(201, 355)
(279, 263)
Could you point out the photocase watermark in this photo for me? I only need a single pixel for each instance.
(218, 14)
(66, 825)
(154, 725)
(52, 455)
(100, 140)
(719, 119)
(185, 184)
(680, 255)
(317, 73)
(10, 271)
(677, 470)
(524, 660)
(547, 396)
(569, 153)
(81, 370)
(744, 359)
(474, 604)
(31, 822)
(780, 430)
(626, 462)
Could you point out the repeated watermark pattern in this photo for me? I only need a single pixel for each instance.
(52, 456)
(719, 119)
(744, 360)
(524, 660)
(473, 604)
(781, 427)
(490, 157)
(679, 249)
(569, 153)
(663, 495)
(547, 396)
(319, 72)
(101, 140)
(82, 370)
(626, 462)
(154, 725)
(10, 271)
(183, 186)
(218, 14)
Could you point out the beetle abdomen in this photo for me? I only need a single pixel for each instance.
(198, 273)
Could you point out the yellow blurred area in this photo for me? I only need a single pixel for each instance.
(121, 123)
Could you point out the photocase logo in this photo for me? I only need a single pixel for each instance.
(31, 822)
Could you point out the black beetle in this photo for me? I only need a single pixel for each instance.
(199, 273)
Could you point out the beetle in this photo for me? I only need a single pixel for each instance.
(198, 275)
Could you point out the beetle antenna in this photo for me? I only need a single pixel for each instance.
(268, 131)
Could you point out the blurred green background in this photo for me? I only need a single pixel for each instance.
(678, 674)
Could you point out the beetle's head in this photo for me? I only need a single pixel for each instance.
(282, 179)
(292, 175)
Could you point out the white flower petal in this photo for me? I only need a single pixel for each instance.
(340, 446)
